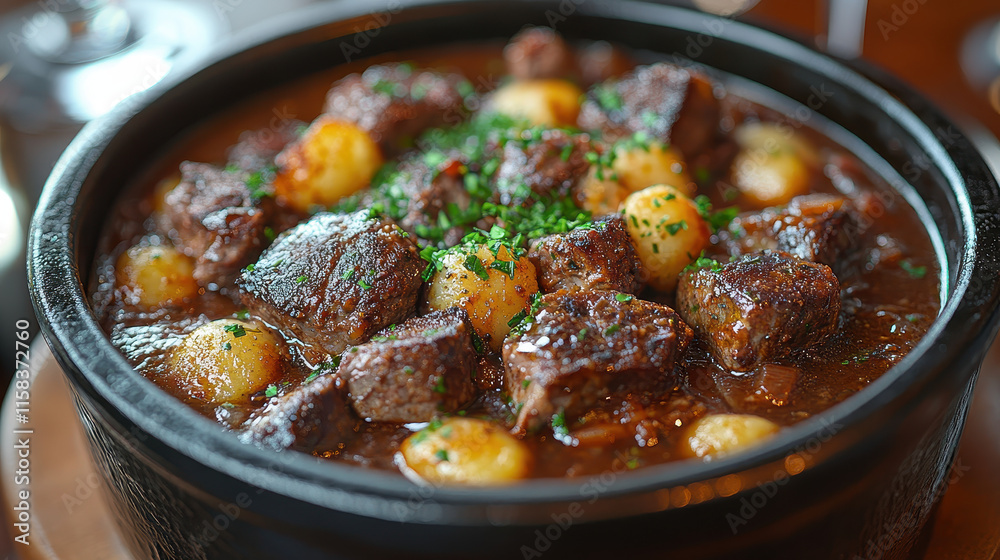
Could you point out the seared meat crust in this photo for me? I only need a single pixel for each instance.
(588, 345)
(414, 371)
(395, 103)
(598, 258)
(213, 217)
(313, 415)
(335, 280)
(674, 105)
(761, 307)
(547, 167)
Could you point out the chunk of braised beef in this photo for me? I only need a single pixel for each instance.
(585, 346)
(313, 416)
(538, 53)
(395, 103)
(256, 149)
(672, 104)
(425, 191)
(414, 371)
(219, 218)
(819, 228)
(335, 279)
(760, 308)
(548, 164)
(602, 257)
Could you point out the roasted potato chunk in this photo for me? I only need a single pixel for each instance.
(668, 231)
(333, 159)
(465, 451)
(541, 102)
(721, 434)
(156, 275)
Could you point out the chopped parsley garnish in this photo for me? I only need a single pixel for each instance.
(441, 455)
(439, 386)
(525, 382)
(675, 227)
(243, 314)
(271, 391)
(227, 346)
(236, 330)
(507, 267)
(477, 342)
(269, 233)
(716, 220)
(913, 271)
(250, 267)
(348, 274)
(608, 97)
(704, 262)
(612, 330)
(624, 298)
(301, 279)
(474, 265)
(516, 319)
(408, 370)
(364, 284)
(559, 427)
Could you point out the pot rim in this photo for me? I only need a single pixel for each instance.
(966, 321)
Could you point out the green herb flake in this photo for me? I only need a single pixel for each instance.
(227, 346)
(301, 279)
(914, 271)
(675, 227)
(441, 455)
(516, 319)
(474, 265)
(271, 391)
(348, 274)
(608, 98)
(269, 233)
(236, 330)
(507, 267)
(408, 370)
(612, 330)
(525, 382)
(559, 423)
(439, 386)
(624, 298)
(243, 314)
(364, 284)
(913, 317)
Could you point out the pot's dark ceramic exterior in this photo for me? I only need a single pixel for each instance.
(857, 481)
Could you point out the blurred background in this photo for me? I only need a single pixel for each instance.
(65, 62)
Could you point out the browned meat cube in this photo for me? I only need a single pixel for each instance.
(256, 149)
(427, 192)
(598, 258)
(335, 280)
(395, 103)
(819, 228)
(671, 104)
(219, 218)
(538, 53)
(585, 346)
(414, 371)
(761, 307)
(312, 416)
(550, 166)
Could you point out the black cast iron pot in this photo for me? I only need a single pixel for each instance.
(859, 480)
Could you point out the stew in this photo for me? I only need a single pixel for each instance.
(595, 258)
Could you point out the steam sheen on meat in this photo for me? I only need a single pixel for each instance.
(335, 280)
(761, 307)
(588, 345)
(413, 371)
(601, 257)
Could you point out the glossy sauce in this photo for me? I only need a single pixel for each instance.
(886, 309)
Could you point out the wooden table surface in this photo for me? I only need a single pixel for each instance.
(918, 40)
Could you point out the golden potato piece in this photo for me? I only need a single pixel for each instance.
(332, 160)
(719, 434)
(774, 164)
(668, 231)
(542, 102)
(639, 167)
(154, 276)
(492, 297)
(227, 360)
(466, 451)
